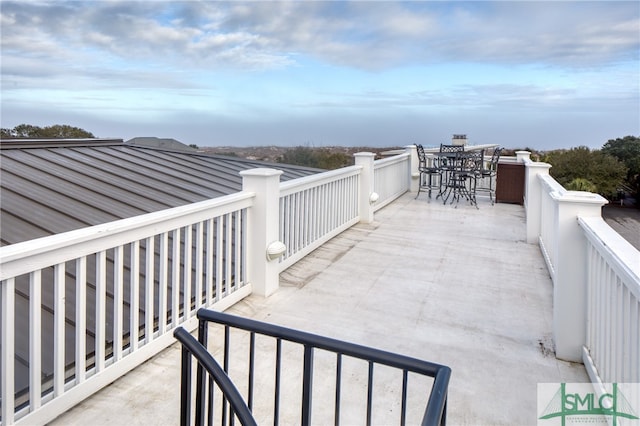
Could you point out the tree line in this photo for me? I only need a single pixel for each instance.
(612, 171)
(320, 158)
(56, 131)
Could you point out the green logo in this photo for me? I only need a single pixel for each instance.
(583, 406)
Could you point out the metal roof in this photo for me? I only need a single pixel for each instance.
(53, 186)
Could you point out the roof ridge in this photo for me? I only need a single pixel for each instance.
(22, 143)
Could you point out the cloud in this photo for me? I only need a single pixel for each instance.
(366, 35)
(564, 34)
(367, 70)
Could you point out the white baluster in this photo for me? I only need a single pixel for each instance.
(134, 284)
(118, 301)
(8, 349)
(35, 340)
(101, 309)
(58, 329)
(81, 319)
(149, 287)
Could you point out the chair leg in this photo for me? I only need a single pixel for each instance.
(440, 193)
(429, 182)
(472, 192)
(448, 189)
(491, 191)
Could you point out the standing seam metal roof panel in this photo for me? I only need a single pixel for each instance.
(129, 180)
(53, 186)
(101, 181)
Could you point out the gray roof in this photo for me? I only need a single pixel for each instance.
(164, 143)
(53, 186)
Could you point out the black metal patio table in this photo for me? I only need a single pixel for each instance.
(450, 167)
(445, 162)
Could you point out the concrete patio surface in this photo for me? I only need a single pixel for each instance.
(453, 285)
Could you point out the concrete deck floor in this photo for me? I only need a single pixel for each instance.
(456, 286)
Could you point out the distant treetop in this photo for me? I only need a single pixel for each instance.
(57, 131)
(612, 171)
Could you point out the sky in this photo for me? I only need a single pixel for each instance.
(541, 75)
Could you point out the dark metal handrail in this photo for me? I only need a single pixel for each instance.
(435, 412)
(191, 347)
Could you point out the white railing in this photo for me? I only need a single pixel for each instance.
(612, 350)
(392, 177)
(113, 293)
(316, 208)
(551, 192)
(595, 275)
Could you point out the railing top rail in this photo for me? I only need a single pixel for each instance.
(504, 159)
(558, 192)
(441, 373)
(617, 251)
(551, 184)
(294, 185)
(326, 343)
(391, 160)
(28, 256)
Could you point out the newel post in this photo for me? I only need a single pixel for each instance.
(414, 173)
(523, 156)
(533, 198)
(263, 247)
(367, 195)
(570, 283)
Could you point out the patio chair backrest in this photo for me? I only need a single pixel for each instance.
(493, 164)
(496, 156)
(451, 148)
(469, 162)
(421, 155)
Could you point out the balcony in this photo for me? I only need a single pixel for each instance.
(489, 292)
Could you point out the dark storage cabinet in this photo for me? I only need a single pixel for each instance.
(510, 183)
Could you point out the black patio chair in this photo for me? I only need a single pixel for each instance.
(446, 158)
(490, 171)
(430, 173)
